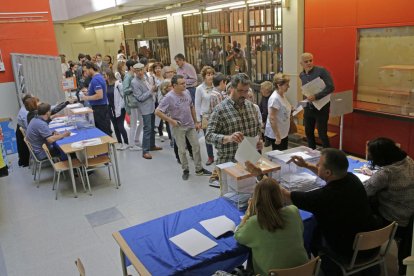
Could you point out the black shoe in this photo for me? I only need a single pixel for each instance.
(203, 172)
(186, 174)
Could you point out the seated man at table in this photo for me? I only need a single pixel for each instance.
(341, 207)
(39, 133)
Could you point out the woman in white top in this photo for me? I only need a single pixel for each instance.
(202, 105)
(279, 109)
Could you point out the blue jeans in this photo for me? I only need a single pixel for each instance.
(192, 91)
(148, 139)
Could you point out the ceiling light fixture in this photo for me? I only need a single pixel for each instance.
(238, 3)
(184, 12)
(212, 11)
(159, 17)
(237, 7)
(259, 4)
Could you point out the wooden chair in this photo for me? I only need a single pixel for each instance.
(365, 241)
(311, 268)
(37, 166)
(96, 157)
(80, 267)
(62, 166)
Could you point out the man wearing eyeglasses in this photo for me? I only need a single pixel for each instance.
(312, 115)
(232, 120)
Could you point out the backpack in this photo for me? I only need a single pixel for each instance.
(129, 99)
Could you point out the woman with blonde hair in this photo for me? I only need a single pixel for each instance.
(202, 105)
(273, 232)
(279, 110)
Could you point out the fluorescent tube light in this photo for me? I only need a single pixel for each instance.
(184, 12)
(238, 3)
(237, 7)
(212, 11)
(259, 4)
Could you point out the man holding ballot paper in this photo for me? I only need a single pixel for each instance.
(317, 85)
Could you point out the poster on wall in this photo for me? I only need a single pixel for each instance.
(1, 63)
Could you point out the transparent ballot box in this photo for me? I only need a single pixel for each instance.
(291, 176)
(81, 117)
(237, 184)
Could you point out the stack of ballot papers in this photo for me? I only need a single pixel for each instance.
(193, 242)
(300, 182)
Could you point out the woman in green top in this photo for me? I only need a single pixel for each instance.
(273, 232)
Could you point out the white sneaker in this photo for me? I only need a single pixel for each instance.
(214, 184)
(135, 148)
(123, 147)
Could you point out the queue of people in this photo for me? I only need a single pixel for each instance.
(272, 226)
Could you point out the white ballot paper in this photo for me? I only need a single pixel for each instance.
(247, 151)
(298, 109)
(218, 226)
(286, 157)
(362, 177)
(89, 142)
(322, 102)
(193, 242)
(313, 87)
(63, 129)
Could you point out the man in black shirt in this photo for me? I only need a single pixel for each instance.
(341, 208)
(312, 115)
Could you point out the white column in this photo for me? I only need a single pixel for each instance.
(175, 35)
(293, 40)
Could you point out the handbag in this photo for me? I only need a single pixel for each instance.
(292, 128)
(204, 121)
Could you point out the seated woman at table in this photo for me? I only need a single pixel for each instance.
(392, 190)
(273, 232)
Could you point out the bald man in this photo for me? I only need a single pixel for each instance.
(312, 115)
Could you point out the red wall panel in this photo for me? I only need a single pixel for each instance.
(331, 34)
(27, 38)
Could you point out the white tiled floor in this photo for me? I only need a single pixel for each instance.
(42, 236)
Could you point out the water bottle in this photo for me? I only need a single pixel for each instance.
(10, 166)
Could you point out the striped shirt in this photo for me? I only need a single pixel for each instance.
(226, 119)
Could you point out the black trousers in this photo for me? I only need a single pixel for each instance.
(312, 117)
(282, 146)
(118, 123)
(22, 150)
(102, 118)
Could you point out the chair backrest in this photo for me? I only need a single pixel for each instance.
(29, 146)
(23, 131)
(311, 268)
(95, 150)
(80, 267)
(49, 156)
(374, 239)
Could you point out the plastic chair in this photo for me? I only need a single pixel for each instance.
(311, 268)
(62, 166)
(37, 168)
(80, 267)
(96, 157)
(365, 241)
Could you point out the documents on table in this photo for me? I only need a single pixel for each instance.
(53, 124)
(63, 129)
(218, 226)
(193, 242)
(297, 178)
(85, 143)
(247, 151)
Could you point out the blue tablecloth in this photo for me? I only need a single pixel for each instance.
(150, 241)
(81, 134)
(354, 164)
